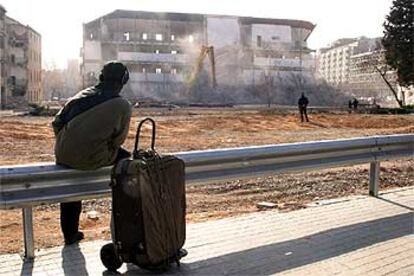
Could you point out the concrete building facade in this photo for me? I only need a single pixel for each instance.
(160, 49)
(364, 79)
(335, 61)
(3, 40)
(21, 64)
(350, 65)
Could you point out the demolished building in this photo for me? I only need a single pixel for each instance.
(20, 63)
(160, 49)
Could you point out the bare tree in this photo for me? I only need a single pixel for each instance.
(398, 44)
(53, 83)
(383, 74)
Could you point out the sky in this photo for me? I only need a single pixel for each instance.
(60, 21)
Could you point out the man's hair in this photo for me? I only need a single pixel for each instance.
(114, 72)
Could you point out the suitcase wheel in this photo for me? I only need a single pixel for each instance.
(164, 266)
(182, 253)
(109, 257)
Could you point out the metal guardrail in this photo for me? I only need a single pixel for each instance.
(25, 186)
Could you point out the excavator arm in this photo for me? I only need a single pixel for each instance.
(205, 51)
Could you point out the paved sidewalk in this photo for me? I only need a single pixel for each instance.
(351, 236)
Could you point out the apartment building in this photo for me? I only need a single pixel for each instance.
(350, 64)
(3, 37)
(161, 49)
(364, 79)
(334, 61)
(21, 63)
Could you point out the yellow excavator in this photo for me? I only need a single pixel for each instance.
(205, 51)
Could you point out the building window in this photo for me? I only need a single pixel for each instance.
(158, 71)
(13, 80)
(259, 41)
(126, 36)
(172, 37)
(144, 36)
(174, 71)
(190, 38)
(275, 38)
(158, 37)
(13, 59)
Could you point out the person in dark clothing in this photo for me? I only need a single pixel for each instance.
(303, 104)
(349, 106)
(355, 104)
(89, 130)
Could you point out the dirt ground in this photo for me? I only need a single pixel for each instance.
(30, 139)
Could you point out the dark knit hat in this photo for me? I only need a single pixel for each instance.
(115, 72)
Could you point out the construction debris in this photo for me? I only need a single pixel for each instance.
(266, 205)
(93, 215)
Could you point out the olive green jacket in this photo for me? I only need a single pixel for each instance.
(92, 139)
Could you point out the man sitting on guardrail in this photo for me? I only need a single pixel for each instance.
(89, 130)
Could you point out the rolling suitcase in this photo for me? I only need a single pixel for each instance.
(148, 210)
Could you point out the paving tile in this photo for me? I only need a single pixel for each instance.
(357, 235)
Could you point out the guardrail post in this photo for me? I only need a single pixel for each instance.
(374, 178)
(28, 233)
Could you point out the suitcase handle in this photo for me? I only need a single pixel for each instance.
(138, 134)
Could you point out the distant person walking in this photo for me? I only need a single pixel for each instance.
(355, 104)
(349, 106)
(303, 105)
